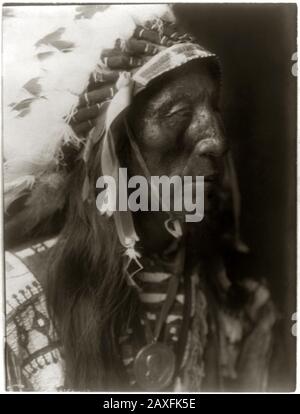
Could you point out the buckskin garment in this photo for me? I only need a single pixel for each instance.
(222, 345)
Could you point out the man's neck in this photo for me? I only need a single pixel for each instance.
(200, 240)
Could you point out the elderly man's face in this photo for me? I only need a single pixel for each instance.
(177, 126)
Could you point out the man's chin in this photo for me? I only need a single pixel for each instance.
(211, 203)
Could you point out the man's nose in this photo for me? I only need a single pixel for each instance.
(213, 146)
(208, 134)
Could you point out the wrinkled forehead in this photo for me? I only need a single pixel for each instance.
(190, 82)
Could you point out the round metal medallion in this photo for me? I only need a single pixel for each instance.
(154, 367)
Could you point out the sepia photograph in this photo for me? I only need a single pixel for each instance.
(149, 177)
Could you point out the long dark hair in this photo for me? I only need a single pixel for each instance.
(87, 294)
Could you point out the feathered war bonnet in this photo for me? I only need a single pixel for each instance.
(49, 55)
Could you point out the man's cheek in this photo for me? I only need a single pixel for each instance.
(153, 137)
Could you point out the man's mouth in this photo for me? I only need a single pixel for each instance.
(210, 181)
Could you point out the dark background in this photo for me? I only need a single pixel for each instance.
(255, 44)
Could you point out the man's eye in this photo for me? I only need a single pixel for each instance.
(183, 112)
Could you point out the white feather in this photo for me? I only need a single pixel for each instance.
(62, 76)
